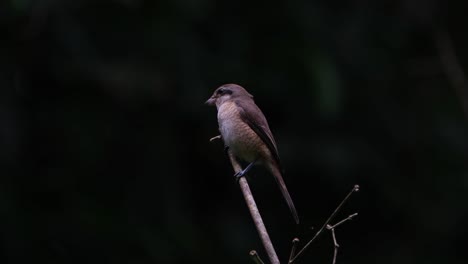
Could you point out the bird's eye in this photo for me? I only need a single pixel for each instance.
(224, 91)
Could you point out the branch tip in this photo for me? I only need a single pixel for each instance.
(214, 138)
(255, 257)
(356, 188)
(295, 242)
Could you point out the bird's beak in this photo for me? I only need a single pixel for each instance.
(210, 101)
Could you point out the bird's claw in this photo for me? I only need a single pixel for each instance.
(239, 175)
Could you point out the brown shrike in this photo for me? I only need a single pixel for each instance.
(244, 130)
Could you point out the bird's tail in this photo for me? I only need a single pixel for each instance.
(279, 179)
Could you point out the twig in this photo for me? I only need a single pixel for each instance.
(214, 138)
(335, 245)
(355, 189)
(295, 241)
(342, 221)
(257, 218)
(255, 257)
(332, 229)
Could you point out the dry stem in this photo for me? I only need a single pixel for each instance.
(295, 242)
(355, 189)
(254, 212)
(332, 229)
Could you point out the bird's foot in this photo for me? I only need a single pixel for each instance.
(239, 175)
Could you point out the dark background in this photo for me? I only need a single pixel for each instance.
(104, 151)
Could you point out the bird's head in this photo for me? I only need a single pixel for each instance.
(227, 92)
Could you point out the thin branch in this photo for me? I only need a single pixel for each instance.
(342, 221)
(355, 189)
(257, 218)
(335, 244)
(214, 138)
(255, 257)
(295, 242)
(332, 229)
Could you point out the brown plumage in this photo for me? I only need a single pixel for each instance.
(245, 131)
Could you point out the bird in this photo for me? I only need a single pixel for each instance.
(245, 132)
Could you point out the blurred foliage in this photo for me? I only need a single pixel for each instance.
(104, 135)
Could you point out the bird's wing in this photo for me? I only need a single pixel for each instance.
(254, 118)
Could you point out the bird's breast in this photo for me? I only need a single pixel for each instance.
(240, 138)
